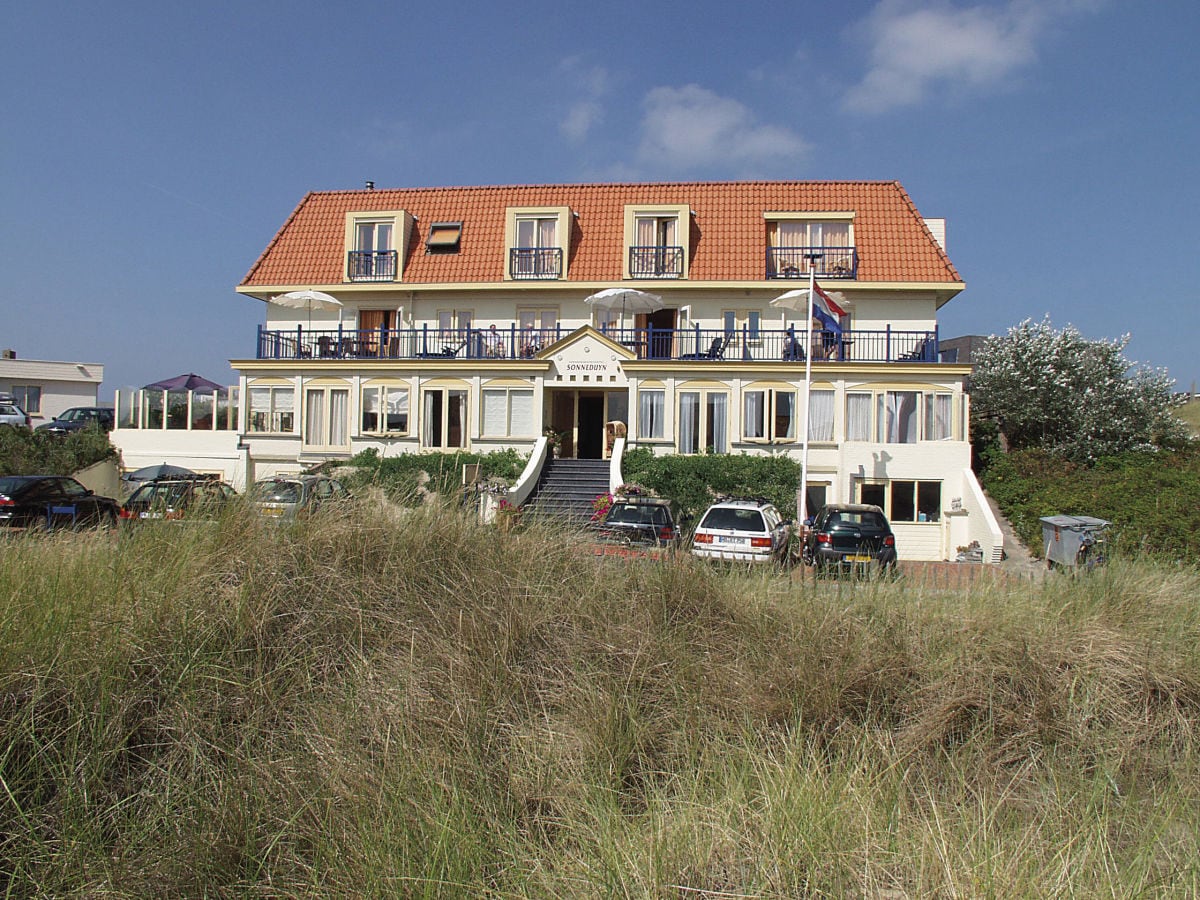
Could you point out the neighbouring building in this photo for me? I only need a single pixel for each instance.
(469, 317)
(46, 388)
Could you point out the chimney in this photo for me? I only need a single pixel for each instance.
(8, 354)
(370, 185)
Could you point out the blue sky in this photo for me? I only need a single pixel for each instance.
(150, 151)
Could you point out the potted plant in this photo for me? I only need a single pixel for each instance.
(554, 441)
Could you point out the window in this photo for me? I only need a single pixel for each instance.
(858, 416)
(742, 321)
(453, 324)
(327, 417)
(443, 237)
(444, 418)
(385, 409)
(537, 328)
(820, 415)
(656, 237)
(272, 410)
(374, 256)
(769, 415)
(508, 412)
(904, 501)
(939, 417)
(897, 417)
(793, 239)
(537, 253)
(703, 425)
(651, 408)
(29, 398)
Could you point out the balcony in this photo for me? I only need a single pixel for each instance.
(655, 262)
(695, 344)
(371, 265)
(534, 263)
(794, 262)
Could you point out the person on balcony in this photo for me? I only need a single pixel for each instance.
(493, 342)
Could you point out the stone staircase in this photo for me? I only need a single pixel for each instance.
(567, 488)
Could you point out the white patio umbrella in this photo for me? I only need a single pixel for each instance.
(626, 298)
(308, 300)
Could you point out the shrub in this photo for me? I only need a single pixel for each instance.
(694, 481)
(25, 452)
(404, 477)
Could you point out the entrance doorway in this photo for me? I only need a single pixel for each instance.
(591, 426)
(581, 416)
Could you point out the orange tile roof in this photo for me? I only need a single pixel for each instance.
(728, 240)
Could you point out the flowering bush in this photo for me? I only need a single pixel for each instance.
(601, 505)
(1056, 390)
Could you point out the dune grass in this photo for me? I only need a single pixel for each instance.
(364, 706)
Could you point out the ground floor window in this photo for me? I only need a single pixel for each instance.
(28, 397)
(444, 418)
(769, 415)
(273, 410)
(904, 501)
(327, 417)
(897, 417)
(651, 412)
(508, 412)
(939, 418)
(385, 409)
(703, 422)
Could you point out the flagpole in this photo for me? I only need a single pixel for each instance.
(808, 346)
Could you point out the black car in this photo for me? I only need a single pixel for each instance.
(52, 501)
(172, 499)
(850, 536)
(640, 521)
(78, 418)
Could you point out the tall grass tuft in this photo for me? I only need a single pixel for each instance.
(368, 705)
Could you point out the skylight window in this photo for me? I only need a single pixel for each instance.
(443, 237)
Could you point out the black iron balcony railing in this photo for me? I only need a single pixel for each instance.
(830, 262)
(655, 262)
(694, 344)
(535, 262)
(371, 265)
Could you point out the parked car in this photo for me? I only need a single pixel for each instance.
(11, 414)
(287, 496)
(743, 530)
(78, 418)
(52, 501)
(850, 536)
(199, 496)
(640, 524)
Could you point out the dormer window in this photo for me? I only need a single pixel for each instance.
(443, 237)
(537, 239)
(373, 240)
(656, 237)
(823, 242)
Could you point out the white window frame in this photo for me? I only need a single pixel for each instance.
(21, 394)
(440, 441)
(768, 417)
(703, 425)
(508, 394)
(383, 398)
(646, 411)
(274, 412)
(333, 423)
(892, 486)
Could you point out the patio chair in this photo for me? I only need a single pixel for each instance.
(716, 350)
(447, 352)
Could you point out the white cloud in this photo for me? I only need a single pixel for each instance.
(914, 48)
(584, 114)
(692, 126)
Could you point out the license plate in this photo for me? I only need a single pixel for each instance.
(269, 511)
(150, 515)
(729, 539)
(858, 558)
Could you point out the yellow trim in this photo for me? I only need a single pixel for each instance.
(402, 223)
(562, 234)
(270, 381)
(384, 381)
(456, 384)
(325, 381)
(683, 224)
(809, 216)
(507, 383)
(702, 385)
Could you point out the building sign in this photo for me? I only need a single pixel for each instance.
(587, 361)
